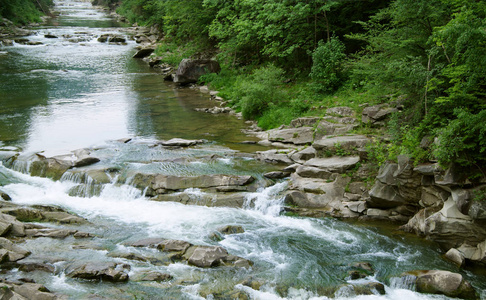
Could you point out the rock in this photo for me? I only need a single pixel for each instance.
(108, 271)
(231, 229)
(207, 256)
(5, 196)
(177, 142)
(296, 136)
(49, 167)
(456, 257)
(475, 254)
(116, 39)
(50, 36)
(276, 174)
(347, 143)
(334, 164)
(274, 156)
(11, 226)
(385, 196)
(342, 111)
(210, 200)
(174, 246)
(444, 283)
(190, 70)
(376, 113)
(150, 242)
(144, 52)
(449, 227)
(427, 169)
(313, 172)
(33, 291)
(325, 128)
(168, 182)
(15, 252)
(304, 122)
(303, 155)
(151, 276)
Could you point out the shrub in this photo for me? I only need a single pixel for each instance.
(327, 64)
(463, 140)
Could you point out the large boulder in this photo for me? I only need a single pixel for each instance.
(442, 282)
(207, 256)
(190, 70)
(375, 114)
(296, 136)
(336, 164)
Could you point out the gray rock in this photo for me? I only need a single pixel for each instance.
(33, 291)
(108, 271)
(296, 136)
(303, 155)
(190, 70)
(15, 252)
(304, 122)
(174, 246)
(149, 242)
(342, 111)
(207, 256)
(274, 156)
(168, 182)
(443, 282)
(151, 276)
(385, 196)
(231, 229)
(276, 174)
(376, 113)
(348, 143)
(456, 257)
(334, 164)
(325, 128)
(313, 172)
(144, 52)
(177, 142)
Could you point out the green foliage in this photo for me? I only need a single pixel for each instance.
(24, 11)
(171, 53)
(463, 140)
(327, 65)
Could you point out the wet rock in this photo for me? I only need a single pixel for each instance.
(144, 52)
(174, 246)
(177, 142)
(129, 256)
(108, 271)
(231, 229)
(276, 174)
(49, 232)
(50, 36)
(190, 70)
(150, 242)
(444, 283)
(168, 182)
(13, 251)
(274, 156)
(151, 276)
(35, 266)
(475, 254)
(9, 225)
(33, 291)
(456, 257)
(207, 256)
(5, 196)
(49, 167)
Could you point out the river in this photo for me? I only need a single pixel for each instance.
(74, 92)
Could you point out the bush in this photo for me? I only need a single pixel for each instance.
(255, 93)
(327, 64)
(463, 141)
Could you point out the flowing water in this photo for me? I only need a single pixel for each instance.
(75, 92)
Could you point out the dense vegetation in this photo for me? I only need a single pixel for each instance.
(284, 59)
(24, 11)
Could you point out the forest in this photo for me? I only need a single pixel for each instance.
(282, 59)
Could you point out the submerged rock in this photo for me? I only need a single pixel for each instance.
(177, 142)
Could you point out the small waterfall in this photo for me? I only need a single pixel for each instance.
(405, 282)
(268, 201)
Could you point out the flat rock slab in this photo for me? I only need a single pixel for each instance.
(109, 271)
(204, 181)
(296, 136)
(177, 142)
(334, 164)
(347, 142)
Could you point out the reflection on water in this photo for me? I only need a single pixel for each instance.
(73, 91)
